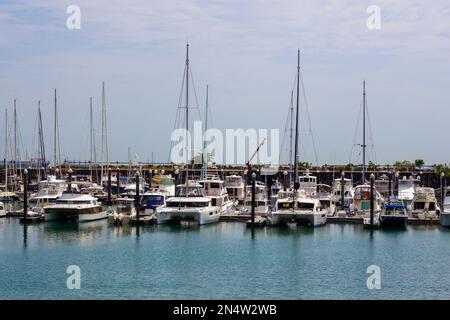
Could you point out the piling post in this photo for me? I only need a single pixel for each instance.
(442, 191)
(150, 173)
(177, 172)
(118, 181)
(137, 202)
(25, 194)
(342, 190)
(372, 181)
(69, 187)
(397, 176)
(285, 173)
(109, 186)
(390, 183)
(253, 197)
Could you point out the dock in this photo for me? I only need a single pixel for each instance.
(359, 220)
(144, 220)
(32, 219)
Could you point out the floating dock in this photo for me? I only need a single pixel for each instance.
(144, 220)
(359, 220)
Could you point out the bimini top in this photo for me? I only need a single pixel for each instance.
(394, 205)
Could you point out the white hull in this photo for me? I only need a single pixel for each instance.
(311, 219)
(198, 216)
(227, 208)
(2, 213)
(83, 217)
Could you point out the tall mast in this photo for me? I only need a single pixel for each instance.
(104, 132)
(205, 165)
(15, 142)
(187, 112)
(55, 134)
(6, 149)
(364, 133)
(291, 133)
(91, 137)
(296, 125)
(41, 140)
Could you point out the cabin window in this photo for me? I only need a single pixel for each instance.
(260, 203)
(325, 203)
(186, 204)
(1, 208)
(305, 205)
(431, 206)
(419, 205)
(155, 200)
(285, 205)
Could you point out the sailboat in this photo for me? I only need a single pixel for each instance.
(303, 208)
(361, 199)
(213, 187)
(189, 205)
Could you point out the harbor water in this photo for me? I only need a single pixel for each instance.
(221, 261)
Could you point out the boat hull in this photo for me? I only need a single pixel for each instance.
(393, 221)
(444, 219)
(74, 215)
(309, 219)
(180, 216)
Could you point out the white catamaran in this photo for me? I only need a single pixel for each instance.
(304, 208)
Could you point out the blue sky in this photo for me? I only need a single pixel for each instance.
(246, 52)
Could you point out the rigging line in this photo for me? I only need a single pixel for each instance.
(179, 107)
(309, 119)
(195, 94)
(35, 139)
(356, 132)
(284, 134)
(371, 134)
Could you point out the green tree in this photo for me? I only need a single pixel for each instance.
(419, 163)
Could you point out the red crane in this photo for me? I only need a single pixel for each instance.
(248, 163)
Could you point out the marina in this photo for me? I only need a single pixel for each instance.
(268, 263)
(224, 151)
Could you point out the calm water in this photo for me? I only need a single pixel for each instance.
(221, 261)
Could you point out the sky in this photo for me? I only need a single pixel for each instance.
(246, 51)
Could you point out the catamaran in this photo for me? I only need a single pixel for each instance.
(304, 207)
(188, 206)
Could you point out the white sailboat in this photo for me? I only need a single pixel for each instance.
(189, 205)
(304, 208)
